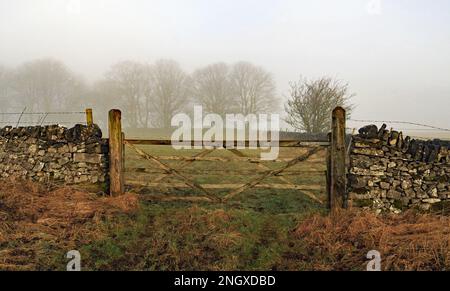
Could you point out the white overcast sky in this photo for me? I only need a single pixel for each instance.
(394, 53)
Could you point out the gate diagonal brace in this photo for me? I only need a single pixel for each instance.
(186, 163)
(174, 172)
(255, 182)
(260, 165)
(264, 167)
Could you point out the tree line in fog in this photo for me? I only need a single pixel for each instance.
(150, 94)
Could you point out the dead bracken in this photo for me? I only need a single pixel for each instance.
(33, 216)
(407, 242)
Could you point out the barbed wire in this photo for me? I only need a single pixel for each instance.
(44, 123)
(403, 122)
(353, 130)
(38, 118)
(41, 113)
(420, 129)
(409, 129)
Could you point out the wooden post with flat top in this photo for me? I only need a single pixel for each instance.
(123, 158)
(89, 117)
(338, 177)
(115, 153)
(328, 172)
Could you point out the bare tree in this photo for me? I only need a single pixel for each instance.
(148, 94)
(76, 97)
(212, 88)
(312, 101)
(44, 84)
(253, 88)
(127, 85)
(5, 91)
(5, 87)
(170, 91)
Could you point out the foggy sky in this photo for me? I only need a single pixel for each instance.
(396, 57)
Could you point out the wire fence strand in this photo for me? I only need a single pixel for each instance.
(25, 118)
(42, 113)
(43, 123)
(430, 127)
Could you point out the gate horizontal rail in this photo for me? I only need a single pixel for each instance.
(225, 160)
(224, 186)
(223, 171)
(282, 143)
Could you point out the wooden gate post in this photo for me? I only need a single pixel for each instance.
(328, 177)
(115, 153)
(89, 117)
(123, 160)
(338, 178)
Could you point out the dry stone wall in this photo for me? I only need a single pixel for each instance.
(54, 154)
(390, 172)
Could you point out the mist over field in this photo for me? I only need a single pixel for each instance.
(393, 54)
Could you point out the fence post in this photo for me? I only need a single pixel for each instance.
(338, 178)
(328, 173)
(123, 159)
(115, 153)
(89, 117)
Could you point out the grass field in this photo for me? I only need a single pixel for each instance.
(250, 232)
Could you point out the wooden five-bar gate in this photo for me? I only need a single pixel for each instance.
(334, 145)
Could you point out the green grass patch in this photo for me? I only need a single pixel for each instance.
(249, 232)
(181, 236)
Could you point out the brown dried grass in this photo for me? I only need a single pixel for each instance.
(407, 242)
(34, 217)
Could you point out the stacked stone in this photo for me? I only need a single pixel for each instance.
(391, 173)
(54, 153)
